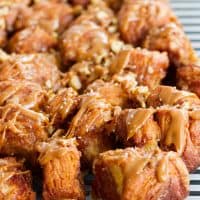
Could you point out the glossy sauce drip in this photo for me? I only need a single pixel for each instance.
(137, 164)
(135, 120)
(170, 96)
(52, 155)
(9, 169)
(55, 149)
(24, 93)
(162, 170)
(78, 117)
(8, 93)
(176, 133)
(135, 167)
(4, 182)
(195, 114)
(125, 164)
(95, 109)
(118, 177)
(121, 62)
(113, 94)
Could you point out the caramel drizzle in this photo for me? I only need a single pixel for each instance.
(135, 120)
(195, 114)
(8, 93)
(14, 123)
(121, 62)
(89, 105)
(55, 149)
(162, 170)
(176, 133)
(8, 169)
(169, 95)
(12, 90)
(138, 163)
(132, 169)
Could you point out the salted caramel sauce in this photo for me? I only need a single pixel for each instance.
(55, 149)
(137, 164)
(136, 119)
(121, 62)
(128, 164)
(162, 170)
(160, 162)
(92, 106)
(125, 164)
(176, 132)
(8, 93)
(25, 93)
(170, 95)
(195, 114)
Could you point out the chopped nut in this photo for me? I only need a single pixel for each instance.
(101, 14)
(75, 82)
(116, 46)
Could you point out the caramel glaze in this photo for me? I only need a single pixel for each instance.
(121, 62)
(129, 163)
(195, 114)
(161, 163)
(170, 95)
(165, 95)
(177, 128)
(174, 123)
(56, 148)
(137, 119)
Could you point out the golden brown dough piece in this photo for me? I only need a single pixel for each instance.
(39, 68)
(15, 181)
(60, 161)
(188, 78)
(61, 106)
(178, 116)
(92, 37)
(132, 174)
(52, 17)
(137, 17)
(28, 94)
(3, 38)
(20, 129)
(137, 127)
(121, 91)
(180, 132)
(172, 39)
(81, 74)
(166, 95)
(149, 66)
(9, 10)
(84, 41)
(89, 125)
(113, 93)
(31, 40)
(100, 14)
